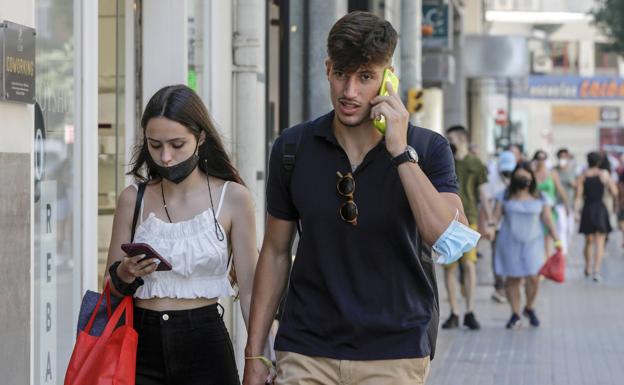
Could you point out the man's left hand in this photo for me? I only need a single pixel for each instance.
(397, 117)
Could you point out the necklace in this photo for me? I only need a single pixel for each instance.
(218, 231)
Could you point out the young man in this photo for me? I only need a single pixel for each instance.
(472, 176)
(359, 301)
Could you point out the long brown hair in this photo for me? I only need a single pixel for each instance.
(181, 104)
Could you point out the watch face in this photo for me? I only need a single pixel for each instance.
(412, 153)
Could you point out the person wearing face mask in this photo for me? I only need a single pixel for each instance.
(191, 206)
(594, 219)
(519, 250)
(473, 190)
(506, 163)
(567, 177)
(549, 183)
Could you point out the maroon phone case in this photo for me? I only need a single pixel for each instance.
(133, 249)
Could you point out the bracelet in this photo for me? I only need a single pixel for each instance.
(263, 359)
(121, 286)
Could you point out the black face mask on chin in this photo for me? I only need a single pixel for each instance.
(178, 172)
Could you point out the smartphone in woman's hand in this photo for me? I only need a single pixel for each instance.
(133, 249)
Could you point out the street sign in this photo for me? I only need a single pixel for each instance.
(17, 52)
(438, 17)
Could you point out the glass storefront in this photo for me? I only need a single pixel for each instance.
(57, 260)
(112, 162)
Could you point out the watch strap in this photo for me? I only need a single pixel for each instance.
(401, 158)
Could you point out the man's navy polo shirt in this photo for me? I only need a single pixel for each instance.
(355, 292)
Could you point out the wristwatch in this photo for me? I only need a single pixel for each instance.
(409, 155)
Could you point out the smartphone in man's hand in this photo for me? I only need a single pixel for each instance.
(388, 76)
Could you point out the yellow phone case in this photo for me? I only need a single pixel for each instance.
(388, 76)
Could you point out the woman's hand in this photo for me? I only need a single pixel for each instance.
(257, 373)
(130, 268)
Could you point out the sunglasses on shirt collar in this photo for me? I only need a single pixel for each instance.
(346, 187)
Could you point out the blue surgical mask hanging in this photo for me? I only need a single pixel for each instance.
(456, 240)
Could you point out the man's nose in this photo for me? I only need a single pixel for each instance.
(351, 87)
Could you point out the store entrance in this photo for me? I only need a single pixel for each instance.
(117, 115)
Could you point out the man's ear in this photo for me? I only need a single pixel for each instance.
(328, 67)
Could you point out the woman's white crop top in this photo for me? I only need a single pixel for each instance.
(199, 260)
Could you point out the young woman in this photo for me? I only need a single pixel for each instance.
(620, 201)
(198, 215)
(595, 216)
(520, 243)
(548, 182)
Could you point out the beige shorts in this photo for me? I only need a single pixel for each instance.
(298, 369)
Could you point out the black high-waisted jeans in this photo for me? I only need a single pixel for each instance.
(184, 347)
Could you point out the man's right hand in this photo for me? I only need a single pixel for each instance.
(256, 373)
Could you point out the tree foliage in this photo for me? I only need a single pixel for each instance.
(609, 17)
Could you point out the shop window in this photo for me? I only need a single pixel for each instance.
(606, 62)
(564, 57)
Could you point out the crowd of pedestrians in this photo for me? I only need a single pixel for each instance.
(529, 208)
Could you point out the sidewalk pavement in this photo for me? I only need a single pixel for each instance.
(580, 339)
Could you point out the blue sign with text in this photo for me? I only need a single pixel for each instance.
(572, 87)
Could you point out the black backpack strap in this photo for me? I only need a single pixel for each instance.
(289, 156)
(137, 208)
(292, 140)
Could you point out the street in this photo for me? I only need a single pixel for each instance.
(580, 340)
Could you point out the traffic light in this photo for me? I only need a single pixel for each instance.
(414, 100)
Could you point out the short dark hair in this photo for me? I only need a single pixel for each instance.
(361, 38)
(562, 151)
(593, 159)
(458, 128)
(540, 154)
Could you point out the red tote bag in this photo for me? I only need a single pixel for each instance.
(554, 268)
(108, 359)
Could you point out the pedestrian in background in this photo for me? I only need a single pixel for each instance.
(549, 183)
(594, 218)
(567, 176)
(197, 214)
(472, 177)
(620, 200)
(498, 183)
(516, 149)
(519, 253)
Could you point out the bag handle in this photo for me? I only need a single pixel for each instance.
(125, 305)
(106, 293)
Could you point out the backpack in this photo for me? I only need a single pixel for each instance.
(420, 139)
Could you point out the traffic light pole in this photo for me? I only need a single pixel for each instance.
(411, 51)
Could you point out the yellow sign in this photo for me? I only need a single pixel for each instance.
(575, 115)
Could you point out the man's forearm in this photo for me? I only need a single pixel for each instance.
(269, 283)
(432, 211)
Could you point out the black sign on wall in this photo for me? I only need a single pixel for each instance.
(610, 114)
(17, 51)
